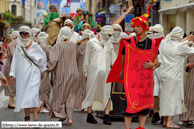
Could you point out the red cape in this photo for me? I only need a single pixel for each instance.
(138, 82)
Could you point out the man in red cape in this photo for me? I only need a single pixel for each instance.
(134, 67)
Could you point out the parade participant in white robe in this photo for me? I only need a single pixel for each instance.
(158, 33)
(74, 35)
(171, 75)
(115, 40)
(28, 62)
(35, 32)
(45, 87)
(98, 59)
(80, 91)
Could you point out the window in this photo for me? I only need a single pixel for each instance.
(13, 9)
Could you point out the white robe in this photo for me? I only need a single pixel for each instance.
(171, 75)
(74, 37)
(96, 66)
(28, 76)
(156, 72)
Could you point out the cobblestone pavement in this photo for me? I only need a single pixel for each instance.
(79, 119)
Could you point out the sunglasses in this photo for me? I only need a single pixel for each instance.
(23, 33)
(52, 8)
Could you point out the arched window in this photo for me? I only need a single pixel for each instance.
(13, 9)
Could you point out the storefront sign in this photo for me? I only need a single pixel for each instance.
(100, 18)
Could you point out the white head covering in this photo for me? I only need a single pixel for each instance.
(105, 32)
(24, 42)
(34, 31)
(116, 37)
(132, 34)
(68, 21)
(41, 21)
(65, 33)
(176, 34)
(42, 38)
(87, 34)
(14, 34)
(124, 35)
(158, 28)
(150, 33)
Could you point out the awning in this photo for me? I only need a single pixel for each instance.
(176, 8)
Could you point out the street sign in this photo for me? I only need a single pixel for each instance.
(113, 8)
(100, 18)
(107, 19)
(128, 18)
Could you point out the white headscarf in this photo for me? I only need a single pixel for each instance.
(65, 33)
(68, 21)
(14, 34)
(42, 38)
(24, 42)
(158, 28)
(151, 36)
(176, 34)
(87, 34)
(124, 35)
(104, 34)
(132, 34)
(116, 37)
(34, 31)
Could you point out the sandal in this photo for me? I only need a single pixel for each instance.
(11, 107)
(189, 124)
(62, 119)
(174, 127)
(27, 118)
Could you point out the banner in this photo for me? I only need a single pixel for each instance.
(41, 7)
(138, 82)
(56, 3)
(65, 10)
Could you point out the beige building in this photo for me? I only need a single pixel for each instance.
(177, 13)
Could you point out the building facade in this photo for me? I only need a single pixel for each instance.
(177, 13)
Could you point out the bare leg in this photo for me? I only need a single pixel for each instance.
(107, 109)
(89, 109)
(27, 112)
(35, 112)
(11, 101)
(170, 121)
(156, 104)
(165, 120)
(142, 120)
(42, 105)
(128, 122)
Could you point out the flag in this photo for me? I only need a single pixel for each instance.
(14, 1)
(75, 0)
(23, 1)
(68, 1)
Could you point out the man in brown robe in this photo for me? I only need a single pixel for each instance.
(10, 90)
(45, 87)
(62, 59)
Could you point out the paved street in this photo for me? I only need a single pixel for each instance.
(79, 119)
